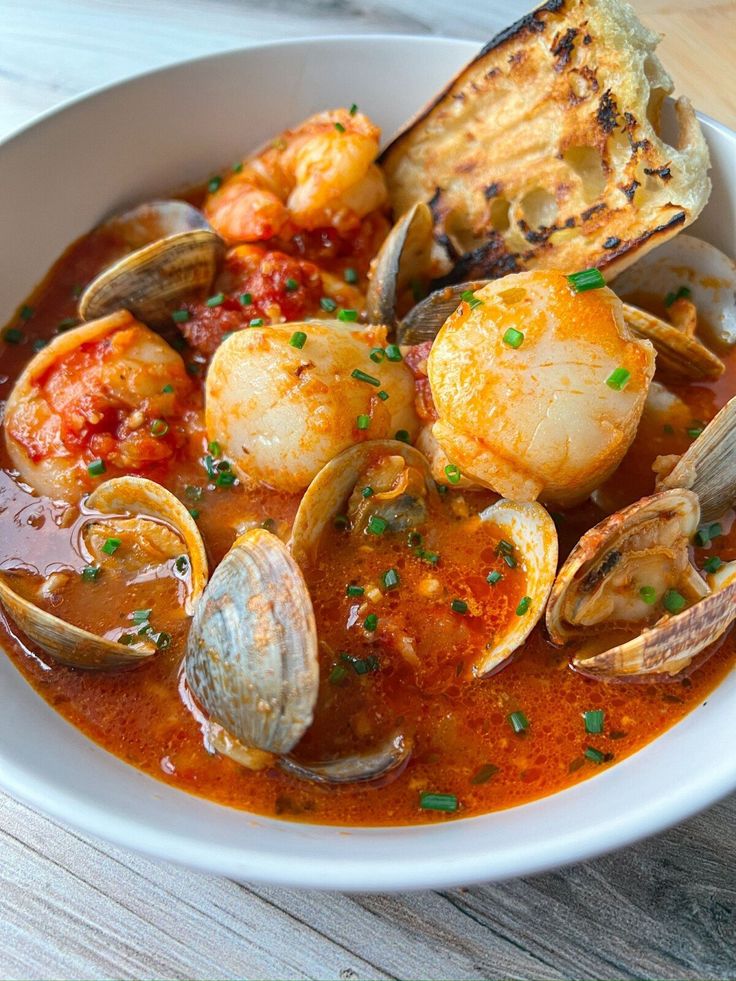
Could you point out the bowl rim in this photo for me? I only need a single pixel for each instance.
(374, 873)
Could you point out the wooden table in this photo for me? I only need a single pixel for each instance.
(71, 907)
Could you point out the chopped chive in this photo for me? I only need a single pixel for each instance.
(167, 390)
(361, 665)
(453, 473)
(471, 299)
(715, 530)
(695, 431)
(237, 167)
(402, 436)
(96, 468)
(413, 539)
(713, 564)
(390, 579)
(180, 316)
(673, 601)
(393, 352)
(182, 564)
(684, 292)
(353, 109)
(377, 525)
(509, 560)
(163, 640)
(347, 316)
(459, 606)
(513, 337)
(216, 300)
(245, 299)
(431, 557)
(39, 344)
(438, 802)
(504, 547)
(594, 754)
(298, 339)
(367, 491)
(668, 430)
(383, 395)
(268, 524)
(225, 479)
(587, 279)
(26, 312)
(377, 354)
(494, 577)
(194, 512)
(193, 368)
(127, 639)
(291, 285)
(338, 674)
(518, 721)
(484, 774)
(351, 590)
(648, 594)
(141, 616)
(12, 335)
(361, 376)
(618, 379)
(66, 324)
(524, 603)
(214, 184)
(340, 521)
(111, 546)
(159, 428)
(193, 493)
(90, 573)
(351, 275)
(327, 304)
(593, 720)
(339, 127)
(370, 623)
(256, 322)
(209, 464)
(363, 422)
(77, 291)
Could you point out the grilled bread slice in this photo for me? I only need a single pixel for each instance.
(545, 150)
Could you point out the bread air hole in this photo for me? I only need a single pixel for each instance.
(587, 163)
(539, 208)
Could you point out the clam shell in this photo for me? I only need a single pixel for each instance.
(534, 535)
(366, 767)
(404, 256)
(599, 551)
(670, 645)
(251, 657)
(326, 495)
(708, 467)
(154, 220)
(423, 321)
(119, 498)
(705, 270)
(678, 353)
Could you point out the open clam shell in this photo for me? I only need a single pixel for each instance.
(533, 533)
(404, 257)
(121, 500)
(359, 768)
(251, 657)
(176, 255)
(678, 353)
(708, 467)
(326, 495)
(423, 321)
(708, 274)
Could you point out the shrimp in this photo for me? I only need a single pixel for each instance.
(320, 175)
(539, 389)
(107, 398)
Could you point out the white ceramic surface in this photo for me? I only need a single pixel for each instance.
(131, 141)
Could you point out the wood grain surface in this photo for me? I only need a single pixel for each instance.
(72, 907)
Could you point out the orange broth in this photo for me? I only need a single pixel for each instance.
(463, 741)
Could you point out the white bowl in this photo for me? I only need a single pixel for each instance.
(127, 143)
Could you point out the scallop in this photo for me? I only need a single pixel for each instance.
(281, 412)
(175, 257)
(156, 516)
(539, 389)
(99, 378)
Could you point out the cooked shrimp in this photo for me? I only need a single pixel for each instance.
(106, 398)
(280, 412)
(539, 389)
(320, 175)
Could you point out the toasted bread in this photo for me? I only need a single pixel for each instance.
(545, 150)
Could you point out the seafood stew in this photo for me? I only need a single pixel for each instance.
(376, 611)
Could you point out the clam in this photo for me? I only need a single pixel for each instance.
(533, 533)
(708, 275)
(634, 570)
(424, 320)
(175, 256)
(130, 504)
(403, 259)
(678, 353)
(708, 467)
(251, 663)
